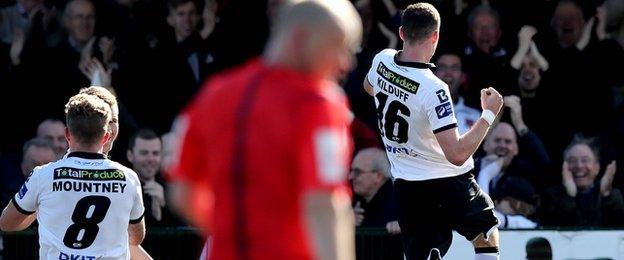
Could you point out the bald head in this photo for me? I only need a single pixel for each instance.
(502, 141)
(315, 36)
(369, 171)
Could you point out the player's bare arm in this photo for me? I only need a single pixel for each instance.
(136, 233)
(330, 222)
(368, 88)
(458, 149)
(13, 220)
(138, 253)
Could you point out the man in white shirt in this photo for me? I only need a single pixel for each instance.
(430, 162)
(87, 206)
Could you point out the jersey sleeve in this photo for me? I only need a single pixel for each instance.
(324, 146)
(187, 162)
(26, 200)
(138, 210)
(371, 75)
(439, 108)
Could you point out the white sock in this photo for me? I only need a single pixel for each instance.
(487, 256)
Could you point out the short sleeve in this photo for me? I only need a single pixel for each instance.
(136, 214)
(26, 199)
(439, 109)
(324, 146)
(186, 155)
(370, 76)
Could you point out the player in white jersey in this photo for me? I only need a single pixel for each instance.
(87, 206)
(431, 163)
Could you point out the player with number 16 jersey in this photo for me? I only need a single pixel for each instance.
(408, 93)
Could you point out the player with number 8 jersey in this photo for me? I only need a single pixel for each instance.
(88, 207)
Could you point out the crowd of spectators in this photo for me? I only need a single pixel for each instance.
(555, 158)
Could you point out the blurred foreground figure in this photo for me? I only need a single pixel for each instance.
(265, 147)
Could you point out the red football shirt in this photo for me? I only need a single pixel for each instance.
(261, 138)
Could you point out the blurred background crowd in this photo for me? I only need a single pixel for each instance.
(555, 159)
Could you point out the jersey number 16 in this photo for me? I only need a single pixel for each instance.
(395, 126)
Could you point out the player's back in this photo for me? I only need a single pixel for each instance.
(412, 106)
(258, 119)
(84, 205)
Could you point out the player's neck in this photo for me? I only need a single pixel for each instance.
(85, 148)
(416, 53)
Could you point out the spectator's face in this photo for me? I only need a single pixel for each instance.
(36, 156)
(365, 180)
(145, 157)
(184, 20)
(113, 127)
(502, 142)
(80, 22)
(583, 165)
(530, 76)
(568, 23)
(485, 32)
(55, 133)
(449, 69)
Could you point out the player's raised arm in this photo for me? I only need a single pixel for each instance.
(458, 149)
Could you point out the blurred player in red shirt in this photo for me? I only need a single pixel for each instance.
(264, 149)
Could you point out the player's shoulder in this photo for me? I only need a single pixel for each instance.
(329, 100)
(43, 170)
(432, 83)
(386, 54)
(130, 174)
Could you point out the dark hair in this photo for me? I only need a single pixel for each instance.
(37, 142)
(173, 4)
(579, 139)
(87, 118)
(70, 2)
(538, 248)
(516, 188)
(482, 9)
(419, 21)
(143, 133)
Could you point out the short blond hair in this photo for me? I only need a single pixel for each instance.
(87, 118)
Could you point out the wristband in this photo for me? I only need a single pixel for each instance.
(488, 116)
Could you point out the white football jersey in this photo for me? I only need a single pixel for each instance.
(412, 105)
(84, 204)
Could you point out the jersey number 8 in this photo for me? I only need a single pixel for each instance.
(85, 222)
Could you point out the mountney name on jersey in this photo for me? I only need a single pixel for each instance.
(81, 186)
(86, 180)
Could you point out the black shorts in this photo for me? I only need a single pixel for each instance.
(430, 210)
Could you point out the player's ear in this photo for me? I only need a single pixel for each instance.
(67, 135)
(401, 33)
(435, 35)
(106, 137)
